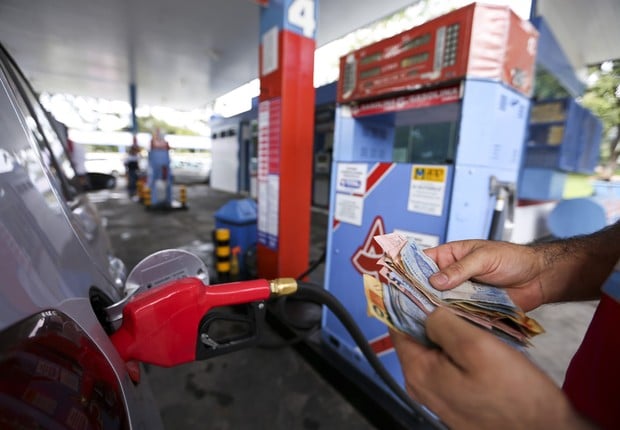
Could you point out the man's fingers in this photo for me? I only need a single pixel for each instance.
(459, 339)
(429, 374)
(405, 344)
(458, 272)
(459, 261)
(409, 353)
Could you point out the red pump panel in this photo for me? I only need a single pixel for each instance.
(286, 129)
(478, 40)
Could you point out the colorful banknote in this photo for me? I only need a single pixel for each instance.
(403, 296)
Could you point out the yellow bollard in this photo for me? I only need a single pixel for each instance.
(183, 196)
(222, 254)
(140, 190)
(234, 263)
(147, 197)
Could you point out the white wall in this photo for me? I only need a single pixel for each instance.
(225, 169)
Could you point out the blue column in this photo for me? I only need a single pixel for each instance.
(132, 100)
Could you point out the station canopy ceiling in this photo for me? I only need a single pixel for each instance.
(185, 53)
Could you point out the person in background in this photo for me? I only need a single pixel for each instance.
(159, 168)
(474, 380)
(132, 168)
(78, 159)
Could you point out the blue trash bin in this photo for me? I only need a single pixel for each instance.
(240, 217)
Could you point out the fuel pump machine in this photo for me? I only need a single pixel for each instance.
(429, 135)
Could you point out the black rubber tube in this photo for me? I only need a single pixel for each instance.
(317, 294)
(313, 266)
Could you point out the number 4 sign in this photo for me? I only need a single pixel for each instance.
(301, 13)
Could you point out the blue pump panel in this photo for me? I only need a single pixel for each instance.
(491, 136)
(537, 183)
(563, 135)
(423, 171)
(159, 170)
(387, 205)
(373, 137)
(492, 126)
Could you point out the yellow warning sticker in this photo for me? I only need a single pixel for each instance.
(427, 189)
(429, 173)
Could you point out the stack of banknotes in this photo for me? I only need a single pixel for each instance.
(403, 297)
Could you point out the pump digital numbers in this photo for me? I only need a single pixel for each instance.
(369, 73)
(349, 80)
(446, 43)
(452, 40)
(414, 59)
(301, 14)
(370, 58)
(418, 41)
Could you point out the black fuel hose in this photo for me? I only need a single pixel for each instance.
(313, 266)
(316, 294)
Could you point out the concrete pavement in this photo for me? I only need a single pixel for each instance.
(272, 388)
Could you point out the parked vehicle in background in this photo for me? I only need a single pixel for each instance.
(190, 169)
(111, 163)
(186, 168)
(105, 162)
(58, 366)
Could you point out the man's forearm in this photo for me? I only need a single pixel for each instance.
(575, 268)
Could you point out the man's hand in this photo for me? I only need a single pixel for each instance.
(514, 267)
(476, 381)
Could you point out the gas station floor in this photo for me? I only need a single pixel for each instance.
(276, 387)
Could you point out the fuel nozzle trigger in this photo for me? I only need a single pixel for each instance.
(229, 329)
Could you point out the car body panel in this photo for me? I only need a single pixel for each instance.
(82, 215)
(55, 258)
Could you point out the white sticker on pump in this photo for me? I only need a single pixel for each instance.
(422, 240)
(273, 197)
(270, 51)
(427, 189)
(349, 209)
(351, 178)
(268, 175)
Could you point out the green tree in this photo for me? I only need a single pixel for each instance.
(603, 98)
(148, 124)
(546, 86)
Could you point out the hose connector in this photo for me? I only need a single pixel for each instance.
(283, 286)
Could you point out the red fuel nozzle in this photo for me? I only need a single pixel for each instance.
(161, 326)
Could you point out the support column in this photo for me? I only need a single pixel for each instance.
(133, 101)
(285, 136)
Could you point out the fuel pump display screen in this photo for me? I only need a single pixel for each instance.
(427, 137)
(425, 143)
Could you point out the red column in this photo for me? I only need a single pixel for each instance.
(285, 142)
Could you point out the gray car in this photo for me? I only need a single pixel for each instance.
(58, 366)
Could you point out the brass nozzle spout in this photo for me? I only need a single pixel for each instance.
(283, 286)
